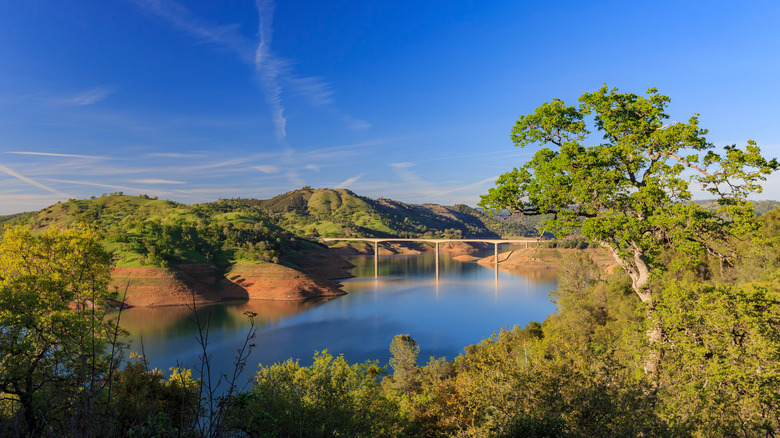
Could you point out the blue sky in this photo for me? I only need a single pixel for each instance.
(410, 100)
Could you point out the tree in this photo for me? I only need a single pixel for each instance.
(328, 398)
(721, 368)
(630, 191)
(403, 360)
(53, 286)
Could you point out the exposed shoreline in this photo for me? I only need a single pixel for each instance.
(204, 283)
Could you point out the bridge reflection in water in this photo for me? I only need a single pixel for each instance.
(436, 242)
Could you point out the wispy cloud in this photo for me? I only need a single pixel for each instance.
(30, 181)
(315, 89)
(467, 187)
(313, 167)
(431, 191)
(176, 155)
(356, 124)
(52, 154)
(225, 37)
(295, 179)
(107, 186)
(91, 97)
(269, 68)
(348, 182)
(220, 164)
(15, 203)
(410, 177)
(267, 169)
(274, 73)
(157, 181)
(341, 151)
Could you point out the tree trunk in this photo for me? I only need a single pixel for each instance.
(637, 269)
(639, 272)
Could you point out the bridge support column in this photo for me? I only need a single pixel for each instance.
(376, 259)
(495, 246)
(437, 260)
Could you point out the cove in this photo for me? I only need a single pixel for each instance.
(467, 303)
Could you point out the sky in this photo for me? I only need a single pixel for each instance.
(195, 101)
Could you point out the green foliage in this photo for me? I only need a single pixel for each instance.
(591, 310)
(329, 398)
(53, 296)
(146, 403)
(403, 360)
(519, 383)
(630, 191)
(142, 231)
(721, 359)
(528, 426)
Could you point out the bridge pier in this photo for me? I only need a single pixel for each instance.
(376, 241)
(376, 259)
(437, 260)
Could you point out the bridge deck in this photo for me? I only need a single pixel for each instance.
(398, 239)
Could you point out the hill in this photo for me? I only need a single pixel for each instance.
(148, 232)
(174, 253)
(340, 213)
(171, 253)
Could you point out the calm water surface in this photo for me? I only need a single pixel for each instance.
(467, 303)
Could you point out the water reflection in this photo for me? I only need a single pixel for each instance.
(170, 319)
(467, 303)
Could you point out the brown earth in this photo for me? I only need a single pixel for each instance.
(204, 283)
(546, 258)
(322, 264)
(276, 282)
(466, 258)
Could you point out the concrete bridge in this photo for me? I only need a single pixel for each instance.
(377, 240)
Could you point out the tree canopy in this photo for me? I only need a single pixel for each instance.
(630, 190)
(53, 295)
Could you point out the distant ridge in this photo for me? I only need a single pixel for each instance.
(340, 212)
(759, 207)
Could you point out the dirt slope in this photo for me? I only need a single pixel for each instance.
(203, 283)
(545, 258)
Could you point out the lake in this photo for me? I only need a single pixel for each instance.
(467, 303)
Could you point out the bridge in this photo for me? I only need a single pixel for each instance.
(377, 240)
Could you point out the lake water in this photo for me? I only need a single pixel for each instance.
(467, 303)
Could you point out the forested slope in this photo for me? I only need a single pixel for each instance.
(340, 212)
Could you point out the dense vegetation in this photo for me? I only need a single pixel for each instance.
(579, 373)
(141, 231)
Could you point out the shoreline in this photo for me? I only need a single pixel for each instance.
(205, 283)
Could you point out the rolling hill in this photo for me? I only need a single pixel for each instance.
(339, 213)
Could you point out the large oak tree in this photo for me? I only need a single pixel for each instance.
(626, 182)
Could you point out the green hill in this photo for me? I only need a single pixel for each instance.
(148, 232)
(142, 231)
(340, 212)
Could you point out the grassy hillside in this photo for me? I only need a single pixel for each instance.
(148, 232)
(142, 231)
(339, 212)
